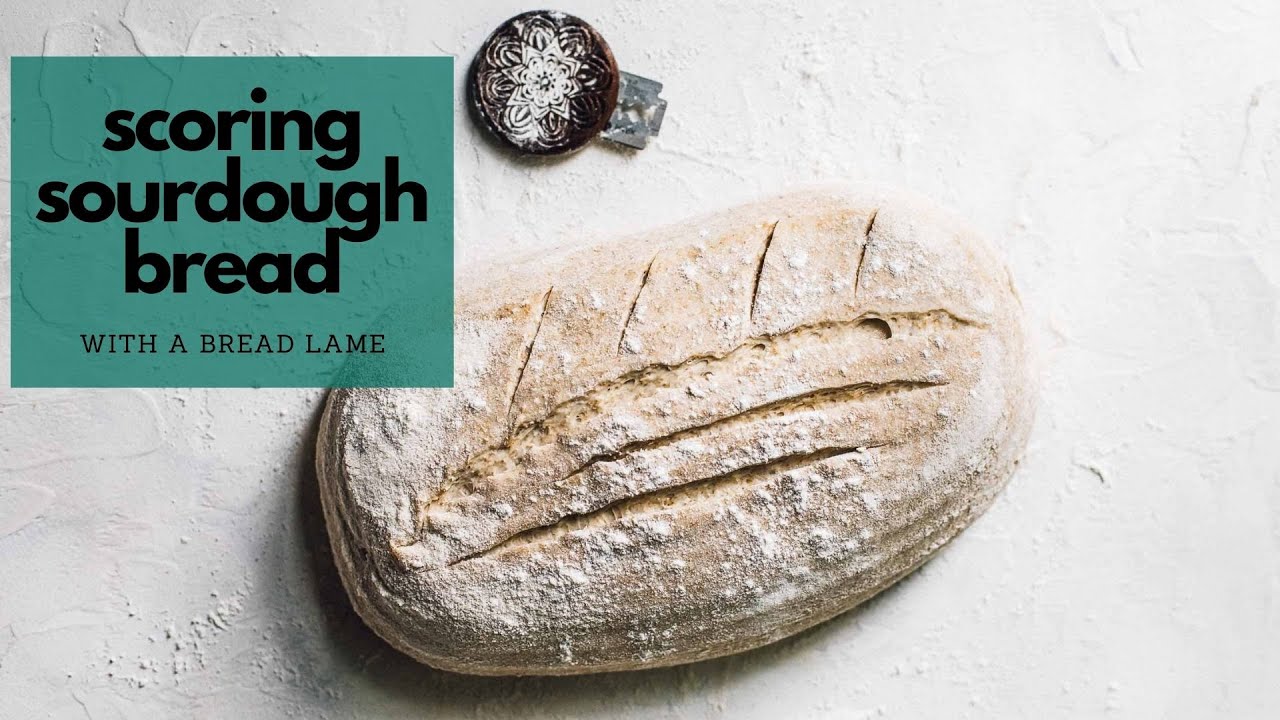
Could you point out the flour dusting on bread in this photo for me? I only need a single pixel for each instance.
(686, 443)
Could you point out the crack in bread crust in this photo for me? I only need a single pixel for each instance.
(547, 432)
(793, 402)
(643, 375)
(665, 497)
(810, 402)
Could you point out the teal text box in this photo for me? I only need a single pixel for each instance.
(388, 324)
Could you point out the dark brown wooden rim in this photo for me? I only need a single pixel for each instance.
(579, 112)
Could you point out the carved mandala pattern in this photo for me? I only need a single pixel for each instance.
(545, 82)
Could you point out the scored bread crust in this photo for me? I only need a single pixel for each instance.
(683, 444)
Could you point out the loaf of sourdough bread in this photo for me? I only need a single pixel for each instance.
(683, 444)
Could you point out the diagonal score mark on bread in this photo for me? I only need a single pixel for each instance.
(631, 311)
(755, 281)
(862, 255)
(528, 354)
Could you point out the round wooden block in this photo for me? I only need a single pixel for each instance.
(544, 82)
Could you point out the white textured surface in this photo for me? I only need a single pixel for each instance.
(161, 552)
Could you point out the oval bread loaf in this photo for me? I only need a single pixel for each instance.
(684, 444)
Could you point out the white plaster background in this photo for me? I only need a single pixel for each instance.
(161, 553)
